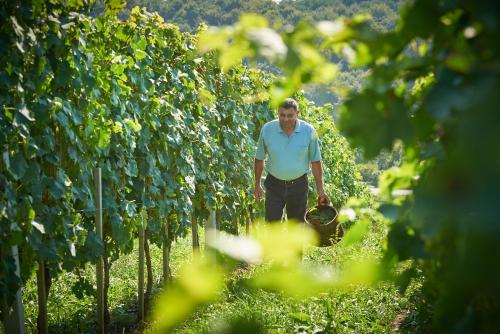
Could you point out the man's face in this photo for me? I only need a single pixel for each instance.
(287, 118)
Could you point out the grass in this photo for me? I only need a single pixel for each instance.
(363, 310)
(378, 309)
(69, 314)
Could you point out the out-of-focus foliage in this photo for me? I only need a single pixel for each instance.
(372, 169)
(433, 85)
(295, 52)
(435, 88)
(277, 247)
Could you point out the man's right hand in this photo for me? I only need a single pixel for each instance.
(258, 193)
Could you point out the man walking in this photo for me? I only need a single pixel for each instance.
(291, 146)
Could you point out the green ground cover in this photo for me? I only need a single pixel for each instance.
(377, 309)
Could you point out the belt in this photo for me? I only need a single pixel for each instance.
(289, 181)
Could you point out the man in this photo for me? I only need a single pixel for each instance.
(291, 146)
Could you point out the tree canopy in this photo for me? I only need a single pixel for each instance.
(189, 14)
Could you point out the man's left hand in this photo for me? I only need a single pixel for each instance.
(323, 199)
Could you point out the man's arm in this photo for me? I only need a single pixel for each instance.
(317, 170)
(258, 168)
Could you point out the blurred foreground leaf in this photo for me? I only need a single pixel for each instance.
(283, 243)
(356, 233)
(198, 283)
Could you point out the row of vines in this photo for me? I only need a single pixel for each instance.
(169, 130)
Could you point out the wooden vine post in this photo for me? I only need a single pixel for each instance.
(211, 232)
(100, 263)
(249, 220)
(194, 232)
(166, 254)
(140, 296)
(13, 319)
(42, 324)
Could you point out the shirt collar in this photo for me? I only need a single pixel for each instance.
(297, 126)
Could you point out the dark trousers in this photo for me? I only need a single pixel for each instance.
(292, 194)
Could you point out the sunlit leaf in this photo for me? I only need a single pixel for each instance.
(334, 31)
(133, 124)
(140, 54)
(38, 226)
(239, 248)
(114, 6)
(364, 272)
(198, 283)
(249, 21)
(213, 38)
(357, 232)
(104, 138)
(269, 43)
(397, 178)
(283, 243)
(286, 280)
(233, 55)
(26, 113)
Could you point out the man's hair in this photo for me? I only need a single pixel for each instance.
(289, 103)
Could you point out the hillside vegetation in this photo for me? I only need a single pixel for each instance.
(189, 14)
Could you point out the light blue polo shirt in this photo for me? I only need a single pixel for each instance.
(288, 157)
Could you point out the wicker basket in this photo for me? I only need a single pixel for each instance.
(329, 233)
